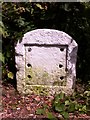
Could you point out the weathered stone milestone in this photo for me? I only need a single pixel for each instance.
(46, 62)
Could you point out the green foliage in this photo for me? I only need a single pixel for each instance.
(2, 57)
(2, 29)
(50, 116)
(72, 103)
(39, 6)
(45, 111)
(61, 105)
(10, 75)
(40, 111)
(65, 114)
(64, 105)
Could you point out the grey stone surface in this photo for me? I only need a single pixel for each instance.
(46, 62)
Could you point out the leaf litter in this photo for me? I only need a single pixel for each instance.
(16, 106)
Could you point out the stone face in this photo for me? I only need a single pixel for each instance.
(46, 62)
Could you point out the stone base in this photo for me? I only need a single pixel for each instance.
(46, 90)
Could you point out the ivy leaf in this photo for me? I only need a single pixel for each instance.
(60, 96)
(40, 111)
(72, 107)
(77, 106)
(51, 116)
(60, 107)
(10, 75)
(67, 102)
(65, 115)
(84, 108)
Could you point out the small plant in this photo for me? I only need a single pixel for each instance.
(46, 111)
(71, 104)
(77, 103)
(60, 104)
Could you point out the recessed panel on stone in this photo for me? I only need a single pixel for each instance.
(45, 65)
(46, 62)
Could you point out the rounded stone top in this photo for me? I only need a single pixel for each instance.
(47, 36)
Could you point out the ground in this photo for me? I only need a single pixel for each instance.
(19, 107)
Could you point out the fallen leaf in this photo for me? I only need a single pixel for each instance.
(18, 108)
(28, 108)
(37, 98)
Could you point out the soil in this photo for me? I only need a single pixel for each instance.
(17, 107)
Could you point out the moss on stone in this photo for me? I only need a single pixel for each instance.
(40, 81)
